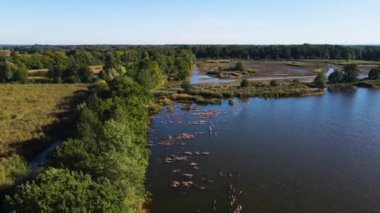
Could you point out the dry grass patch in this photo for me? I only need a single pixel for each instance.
(26, 109)
(96, 69)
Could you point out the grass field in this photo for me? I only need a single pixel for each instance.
(27, 113)
(26, 109)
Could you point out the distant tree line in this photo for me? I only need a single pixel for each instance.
(285, 52)
(72, 65)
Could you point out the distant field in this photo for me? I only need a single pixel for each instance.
(292, 68)
(5, 52)
(267, 68)
(96, 69)
(26, 110)
(40, 75)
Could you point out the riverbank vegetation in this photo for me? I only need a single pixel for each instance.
(214, 93)
(348, 77)
(104, 164)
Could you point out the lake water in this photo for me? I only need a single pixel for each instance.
(312, 154)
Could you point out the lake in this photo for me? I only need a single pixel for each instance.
(312, 154)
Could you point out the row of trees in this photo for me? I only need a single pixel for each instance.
(103, 168)
(73, 65)
(349, 74)
(276, 52)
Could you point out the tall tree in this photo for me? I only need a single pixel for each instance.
(350, 72)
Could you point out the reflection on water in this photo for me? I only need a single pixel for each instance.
(314, 154)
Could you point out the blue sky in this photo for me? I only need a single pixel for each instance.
(189, 21)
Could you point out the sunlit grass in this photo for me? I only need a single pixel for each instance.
(25, 110)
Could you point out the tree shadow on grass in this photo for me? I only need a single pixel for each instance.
(64, 128)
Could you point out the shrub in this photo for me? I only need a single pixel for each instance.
(239, 66)
(320, 80)
(274, 83)
(350, 72)
(11, 169)
(186, 85)
(335, 77)
(245, 83)
(374, 74)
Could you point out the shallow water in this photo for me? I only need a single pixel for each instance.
(198, 78)
(313, 154)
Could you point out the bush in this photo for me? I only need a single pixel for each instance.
(11, 169)
(274, 83)
(296, 83)
(335, 77)
(239, 66)
(374, 74)
(186, 85)
(350, 73)
(245, 83)
(320, 80)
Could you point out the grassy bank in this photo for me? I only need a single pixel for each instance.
(214, 93)
(28, 115)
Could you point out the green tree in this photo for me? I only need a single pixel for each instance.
(13, 72)
(149, 74)
(85, 75)
(374, 74)
(320, 80)
(61, 190)
(182, 68)
(350, 72)
(56, 72)
(335, 77)
(109, 61)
